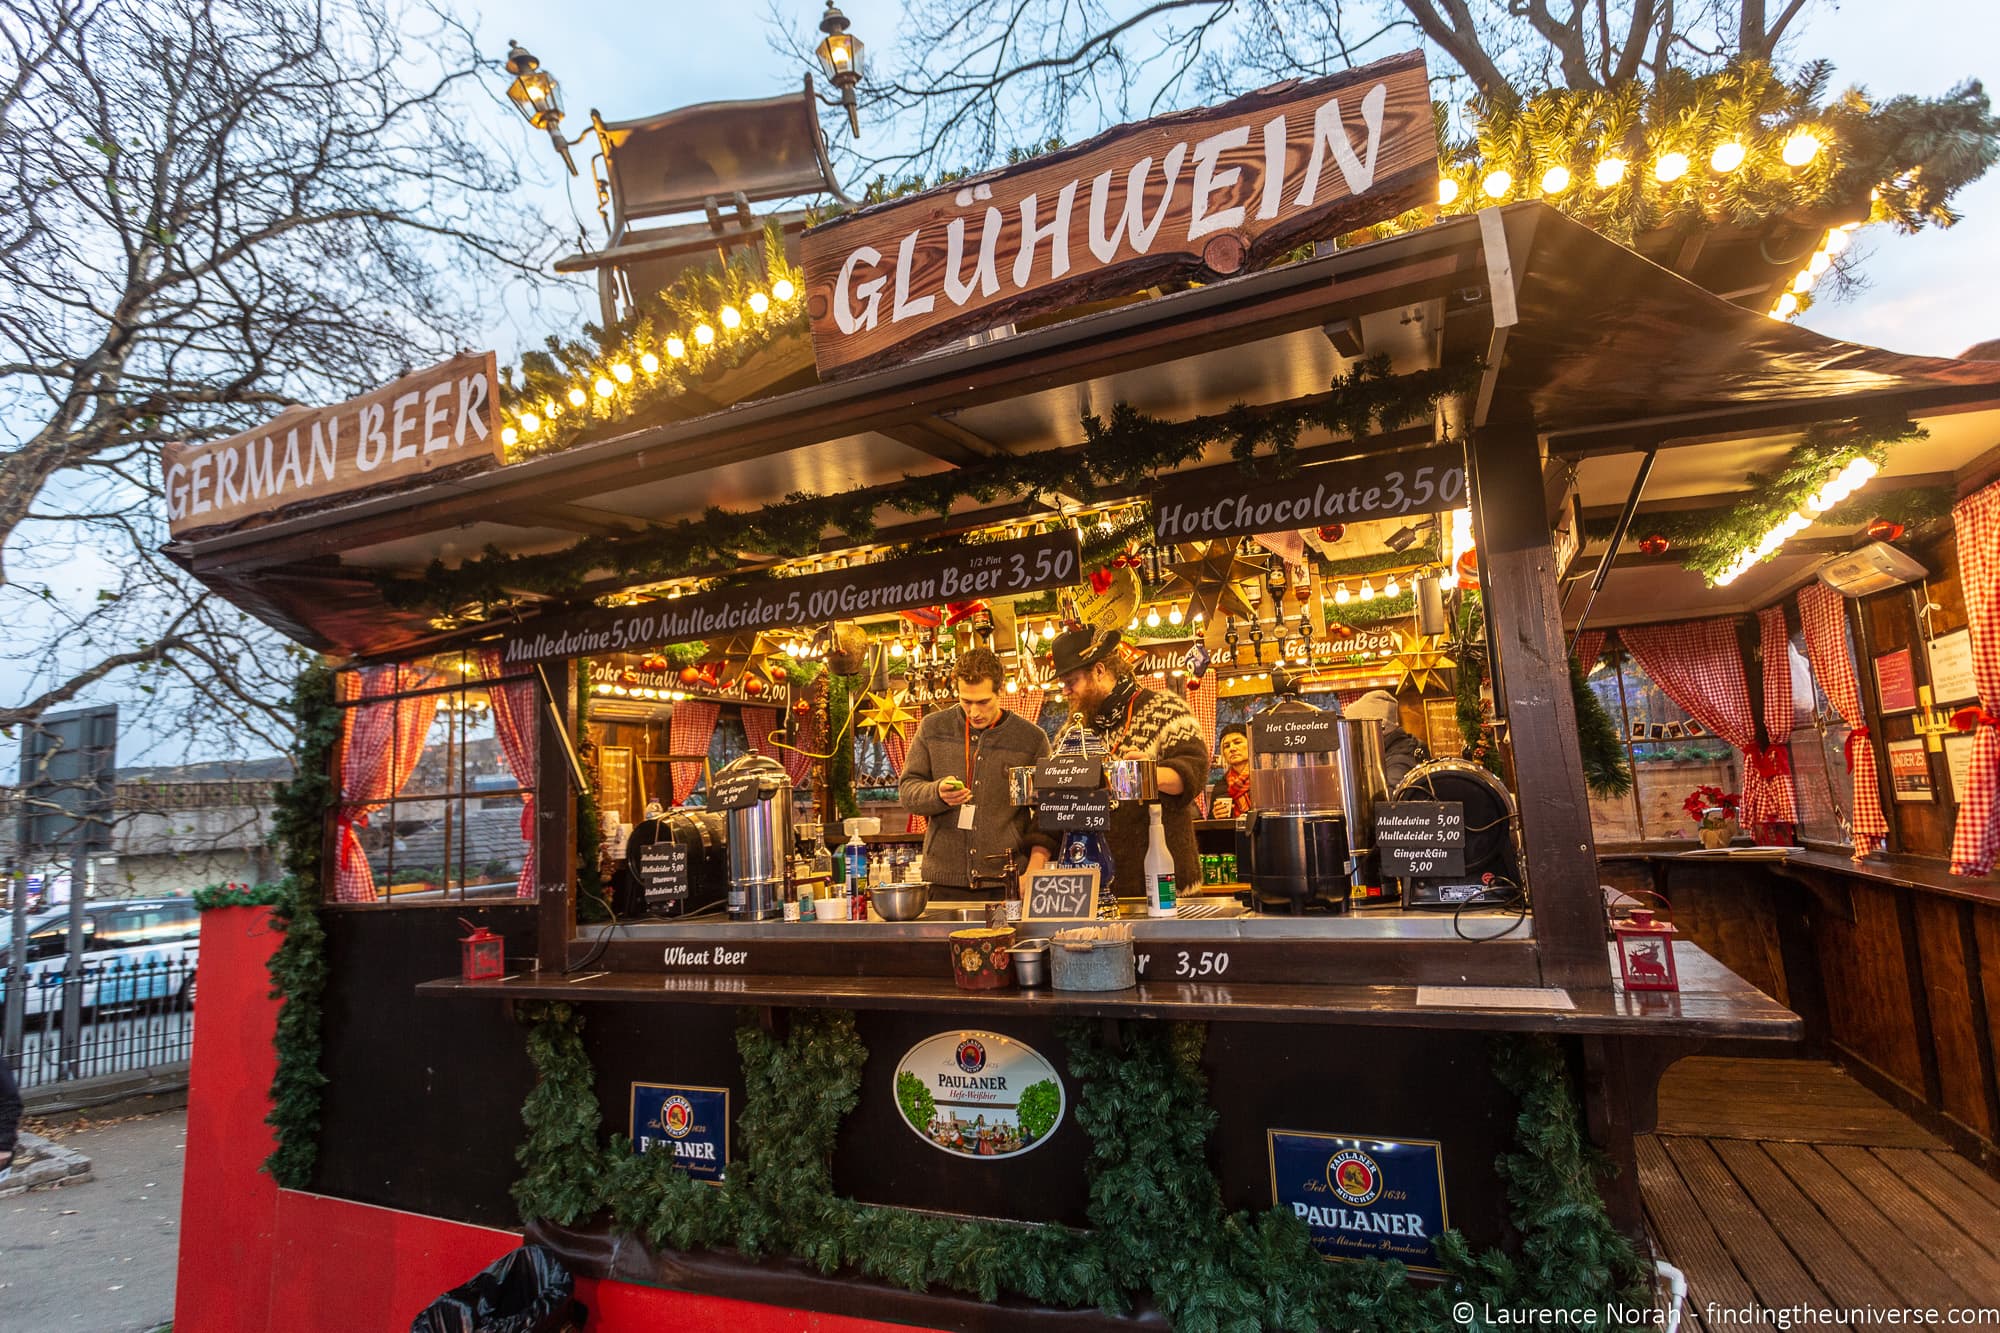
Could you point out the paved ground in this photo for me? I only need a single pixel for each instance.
(98, 1257)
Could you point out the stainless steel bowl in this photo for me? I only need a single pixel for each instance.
(900, 902)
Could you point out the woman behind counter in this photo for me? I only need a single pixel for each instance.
(1229, 798)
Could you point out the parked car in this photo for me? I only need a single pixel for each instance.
(134, 950)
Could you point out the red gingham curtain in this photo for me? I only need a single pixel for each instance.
(516, 721)
(1823, 612)
(1699, 666)
(1589, 646)
(897, 747)
(805, 736)
(758, 724)
(688, 733)
(1203, 700)
(1027, 703)
(380, 746)
(1775, 763)
(1975, 845)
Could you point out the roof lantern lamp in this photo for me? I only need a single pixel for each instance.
(842, 56)
(538, 97)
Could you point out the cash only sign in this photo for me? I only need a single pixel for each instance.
(1201, 194)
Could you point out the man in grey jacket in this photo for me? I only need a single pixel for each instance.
(955, 775)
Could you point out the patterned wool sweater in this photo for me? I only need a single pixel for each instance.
(1160, 726)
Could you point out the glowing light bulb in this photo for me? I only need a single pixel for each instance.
(896, 648)
(1788, 305)
(1152, 617)
(1447, 190)
(1497, 183)
(783, 289)
(1341, 595)
(1727, 157)
(1802, 281)
(605, 388)
(1819, 263)
(730, 316)
(1836, 241)
(1133, 623)
(577, 397)
(649, 363)
(676, 348)
(1801, 148)
(1392, 588)
(1367, 591)
(1048, 629)
(1013, 686)
(530, 423)
(1199, 617)
(1174, 616)
(703, 334)
(1609, 172)
(759, 303)
(1555, 180)
(509, 436)
(1670, 167)
(622, 373)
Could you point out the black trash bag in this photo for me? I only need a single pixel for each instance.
(526, 1291)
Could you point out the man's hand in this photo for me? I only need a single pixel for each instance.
(954, 792)
(1038, 858)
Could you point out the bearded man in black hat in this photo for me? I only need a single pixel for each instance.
(1138, 723)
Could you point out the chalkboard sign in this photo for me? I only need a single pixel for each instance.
(1071, 772)
(1060, 895)
(1295, 733)
(1074, 811)
(1421, 839)
(663, 872)
(735, 791)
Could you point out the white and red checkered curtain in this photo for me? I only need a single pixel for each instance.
(1823, 613)
(688, 733)
(805, 741)
(1975, 844)
(897, 747)
(1775, 762)
(758, 724)
(1202, 701)
(1589, 646)
(1699, 665)
(380, 744)
(517, 722)
(1026, 703)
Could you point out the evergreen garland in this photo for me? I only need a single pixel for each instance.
(298, 967)
(1605, 770)
(840, 766)
(238, 895)
(1158, 1228)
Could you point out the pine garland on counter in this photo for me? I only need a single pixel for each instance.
(238, 895)
(1158, 1228)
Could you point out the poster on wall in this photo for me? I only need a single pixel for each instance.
(1896, 681)
(689, 1121)
(1363, 1198)
(1958, 763)
(1951, 668)
(979, 1094)
(614, 795)
(1910, 771)
(1441, 725)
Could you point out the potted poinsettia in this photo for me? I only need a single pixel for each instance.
(1714, 813)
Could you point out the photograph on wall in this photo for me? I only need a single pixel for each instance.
(1910, 771)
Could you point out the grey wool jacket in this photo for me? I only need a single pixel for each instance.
(938, 751)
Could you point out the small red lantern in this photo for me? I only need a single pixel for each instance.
(1333, 532)
(483, 955)
(1885, 529)
(1655, 543)
(690, 675)
(1646, 952)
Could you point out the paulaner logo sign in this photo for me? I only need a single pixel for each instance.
(979, 1094)
(688, 1122)
(1363, 1198)
(1207, 192)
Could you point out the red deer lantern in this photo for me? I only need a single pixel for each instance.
(483, 955)
(1646, 952)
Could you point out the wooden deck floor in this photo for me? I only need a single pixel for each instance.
(1784, 1183)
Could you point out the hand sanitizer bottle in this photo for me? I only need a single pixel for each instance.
(1159, 867)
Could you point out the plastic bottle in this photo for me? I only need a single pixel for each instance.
(1159, 867)
(857, 859)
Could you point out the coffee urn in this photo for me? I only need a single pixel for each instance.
(1294, 841)
(759, 834)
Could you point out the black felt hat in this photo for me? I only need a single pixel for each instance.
(1078, 648)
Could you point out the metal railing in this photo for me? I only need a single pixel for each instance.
(133, 1017)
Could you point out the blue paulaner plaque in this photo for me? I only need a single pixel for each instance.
(691, 1123)
(1363, 1198)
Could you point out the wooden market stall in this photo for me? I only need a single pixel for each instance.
(526, 606)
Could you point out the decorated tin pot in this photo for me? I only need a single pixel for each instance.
(980, 959)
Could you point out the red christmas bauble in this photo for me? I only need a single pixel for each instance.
(800, 707)
(1885, 529)
(1654, 543)
(752, 686)
(1333, 532)
(778, 675)
(690, 675)
(1468, 570)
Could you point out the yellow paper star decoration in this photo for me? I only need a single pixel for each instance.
(742, 654)
(884, 714)
(1207, 575)
(1419, 657)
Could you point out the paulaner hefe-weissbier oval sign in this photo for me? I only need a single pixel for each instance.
(1209, 192)
(446, 416)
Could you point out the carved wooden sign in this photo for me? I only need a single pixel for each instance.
(445, 416)
(1209, 193)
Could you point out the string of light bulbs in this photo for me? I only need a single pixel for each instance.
(1832, 491)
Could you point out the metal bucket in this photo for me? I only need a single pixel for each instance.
(1031, 963)
(1092, 964)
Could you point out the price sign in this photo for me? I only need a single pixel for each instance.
(1074, 811)
(1060, 895)
(734, 792)
(663, 872)
(1069, 773)
(1421, 839)
(1295, 733)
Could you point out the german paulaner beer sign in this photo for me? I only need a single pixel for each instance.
(1363, 1198)
(446, 416)
(689, 1122)
(1199, 193)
